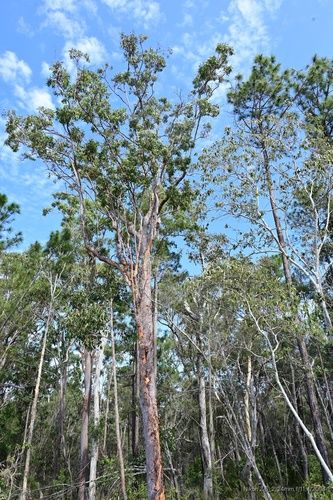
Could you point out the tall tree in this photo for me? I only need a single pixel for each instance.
(132, 161)
(265, 161)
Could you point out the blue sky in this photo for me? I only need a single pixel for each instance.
(35, 33)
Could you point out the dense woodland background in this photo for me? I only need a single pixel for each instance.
(237, 338)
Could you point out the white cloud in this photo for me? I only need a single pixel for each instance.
(30, 186)
(13, 68)
(33, 98)
(69, 5)
(63, 24)
(45, 70)
(17, 73)
(89, 45)
(65, 16)
(116, 4)
(66, 5)
(247, 32)
(243, 25)
(145, 11)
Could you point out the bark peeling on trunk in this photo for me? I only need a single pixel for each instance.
(148, 399)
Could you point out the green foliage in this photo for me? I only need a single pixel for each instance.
(313, 89)
(7, 213)
(10, 423)
(266, 93)
(124, 153)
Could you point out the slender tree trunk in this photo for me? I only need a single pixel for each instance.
(296, 415)
(84, 462)
(210, 407)
(33, 413)
(248, 447)
(314, 406)
(135, 402)
(116, 410)
(34, 410)
(276, 458)
(99, 358)
(173, 472)
(247, 397)
(107, 409)
(204, 437)
(62, 396)
(22, 451)
(155, 317)
(248, 421)
(309, 376)
(327, 384)
(305, 467)
(63, 453)
(221, 460)
(326, 315)
(261, 481)
(148, 398)
(325, 409)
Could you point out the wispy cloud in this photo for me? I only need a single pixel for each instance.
(247, 31)
(65, 16)
(144, 11)
(63, 24)
(27, 183)
(243, 25)
(39, 186)
(33, 98)
(65, 5)
(45, 69)
(13, 68)
(24, 27)
(17, 74)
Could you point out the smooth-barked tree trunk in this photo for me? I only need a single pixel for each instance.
(84, 440)
(99, 358)
(33, 414)
(210, 404)
(116, 410)
(135, 402)
(204, 435)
